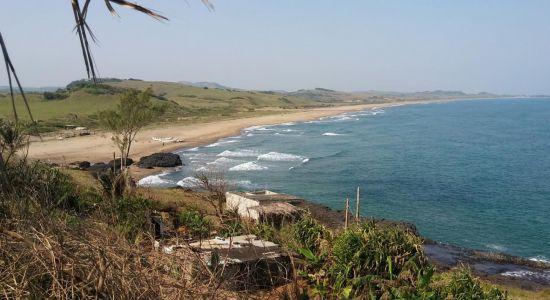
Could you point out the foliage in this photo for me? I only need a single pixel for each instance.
(215, 185)
(266, 232)
(196, 223)
(94, 88)
(34, 188)
(12, 139)
(113, 183)
(380, 262)
(306, 233)
(134, 111)
(463, 286)
(57, 95)
(132, 215)
(232, 225)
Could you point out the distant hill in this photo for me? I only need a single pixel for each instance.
(79, 102)
(6, 89)
(210, 85)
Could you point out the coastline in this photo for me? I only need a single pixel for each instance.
(100, 148)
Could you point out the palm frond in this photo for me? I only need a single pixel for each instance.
(137, 7)
(81, 29)
(11, 71)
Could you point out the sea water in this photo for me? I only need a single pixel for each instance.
(470, 173)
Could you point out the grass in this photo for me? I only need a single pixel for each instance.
(182, 103)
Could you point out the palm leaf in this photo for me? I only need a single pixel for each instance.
(11, 71)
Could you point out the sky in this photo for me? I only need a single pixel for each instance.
(500, 46)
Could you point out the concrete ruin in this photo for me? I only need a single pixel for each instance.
(265, 206)
(245, 262)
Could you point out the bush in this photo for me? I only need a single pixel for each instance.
(58, 95)
(381, 262)
(196, 222)
(307, 233)
(132, 216)
(36, 188)
(463, 286)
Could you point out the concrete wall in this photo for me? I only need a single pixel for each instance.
(242, 205)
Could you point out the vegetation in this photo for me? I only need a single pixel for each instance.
(196, 222)
(61, 238)
(134, 111)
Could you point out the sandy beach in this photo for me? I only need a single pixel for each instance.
(99, 147)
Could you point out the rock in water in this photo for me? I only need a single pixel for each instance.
(164, 160)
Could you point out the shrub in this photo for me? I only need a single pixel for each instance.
(195, 222)
(266, 232)
(37, 188)
(463, 286)
(58, 95)
(132, 216)
(369, 260)
(307, 233)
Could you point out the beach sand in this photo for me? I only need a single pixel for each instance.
(100, 148)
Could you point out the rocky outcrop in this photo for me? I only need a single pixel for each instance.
(117, 162)
(164, 160)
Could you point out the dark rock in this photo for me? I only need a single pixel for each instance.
(117, 162)
(84, 165)
(99, 166)
(164, 160)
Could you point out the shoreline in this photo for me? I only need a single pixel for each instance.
(100, 148)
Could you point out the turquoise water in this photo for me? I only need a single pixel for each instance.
(469, 173)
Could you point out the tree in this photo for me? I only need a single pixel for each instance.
(134, 111)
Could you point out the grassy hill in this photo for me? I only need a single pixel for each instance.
(79, 103)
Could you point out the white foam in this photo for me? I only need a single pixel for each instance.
(540, 258)
(238, 153)
(529, 274)
(305, 160)
(341, 118)
(258, 128)
(220, 143)
(331, 134)
(223, 161)
(288, 124)
(152, 180)
(193, 149)
(276, 156)
(497, 247)
(249, 166)
(189, 182)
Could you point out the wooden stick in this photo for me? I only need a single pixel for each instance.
(347, 210)
(357, 206)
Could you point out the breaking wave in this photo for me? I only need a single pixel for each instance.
(277, 156)
(223, 161)
(249, 166)
(189, 182)
(153, 180)
(238, 153)
(540, 258)
(221, 143)
(332, 134)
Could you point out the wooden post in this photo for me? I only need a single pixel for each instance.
(347, 210)
(357, 206)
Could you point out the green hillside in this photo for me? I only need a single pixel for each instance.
(78, 104)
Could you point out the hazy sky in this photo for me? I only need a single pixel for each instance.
(472, 45)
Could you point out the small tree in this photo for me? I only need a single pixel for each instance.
(134, 111)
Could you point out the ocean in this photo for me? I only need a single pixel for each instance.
(474, 174)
